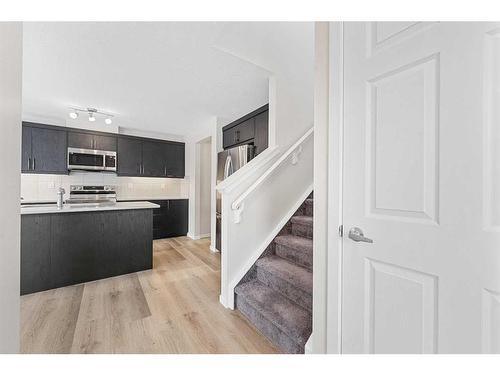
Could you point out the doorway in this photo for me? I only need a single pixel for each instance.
(203, 188)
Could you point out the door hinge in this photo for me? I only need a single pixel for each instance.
(341, 231)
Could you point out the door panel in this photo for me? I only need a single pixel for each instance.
(154, 159)
(105, 142)
(261, 132)
(244, 131)
(228, 138)
(175, 160)
(420, 168)
(35, 253)
(177, 221)
(80, 140)
(26, 149)
(402, 155)
(48, 151)
(129, 157)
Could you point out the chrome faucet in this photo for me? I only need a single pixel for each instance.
(60, 197)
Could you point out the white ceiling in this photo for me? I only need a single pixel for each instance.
(158, 77)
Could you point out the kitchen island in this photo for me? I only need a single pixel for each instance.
(83, 242)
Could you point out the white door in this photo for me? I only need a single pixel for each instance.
(422, 180)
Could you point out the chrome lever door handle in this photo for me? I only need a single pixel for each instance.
(356, 234)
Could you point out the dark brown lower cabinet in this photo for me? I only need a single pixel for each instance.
(69, 248)
(171, 218)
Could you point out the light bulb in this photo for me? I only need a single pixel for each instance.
(73, 115)
(108, 121)
(91, 117)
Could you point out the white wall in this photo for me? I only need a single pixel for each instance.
(193, 173)
(205, 187)
(286, 51)
(216, 132)
(10, 162)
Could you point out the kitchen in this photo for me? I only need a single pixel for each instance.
(89, 166)
(109, 193)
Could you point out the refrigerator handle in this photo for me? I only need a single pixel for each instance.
(228, 168)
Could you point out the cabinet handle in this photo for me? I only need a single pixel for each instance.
(34, 163)
(29, 164)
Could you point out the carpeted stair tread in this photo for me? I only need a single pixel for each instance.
(302, 220)
(289, 317)
(296, 242)
(298, 276)
(291, 280)
(308, 207)
(296, 249)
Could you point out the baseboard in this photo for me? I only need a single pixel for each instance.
(199, 236)
(308, 349)
(255, 256)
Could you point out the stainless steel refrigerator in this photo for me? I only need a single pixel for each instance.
(228, 162)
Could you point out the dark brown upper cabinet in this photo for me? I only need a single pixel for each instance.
(91, 141)
(261, 139)
(129, 157)
(176, 160)
(43, 150)
(150, 158)
(250, 129)
(154, 159)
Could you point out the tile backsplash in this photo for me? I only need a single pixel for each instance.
(43, 187)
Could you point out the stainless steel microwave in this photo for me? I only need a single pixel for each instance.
(91, 160)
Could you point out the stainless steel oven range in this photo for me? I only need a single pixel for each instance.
(100, 194)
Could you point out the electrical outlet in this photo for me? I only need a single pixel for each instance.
(130, 186)
(51, 185)
(163, 186)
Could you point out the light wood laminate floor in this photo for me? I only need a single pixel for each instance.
(173, 308)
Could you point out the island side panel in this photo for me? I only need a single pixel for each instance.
(35, 253)
(84, 246)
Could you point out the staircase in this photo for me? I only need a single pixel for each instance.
(276, 294)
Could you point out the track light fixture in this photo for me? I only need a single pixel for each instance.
(92, 114)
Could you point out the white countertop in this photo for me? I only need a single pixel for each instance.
(83, 207)
(164, 198)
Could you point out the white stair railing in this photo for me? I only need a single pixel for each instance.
(254, 212)
(293, 153)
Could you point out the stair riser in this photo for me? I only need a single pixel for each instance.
(284, 287)
(268, 329)
(299, 256)
(308, 208)
(302, 230)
